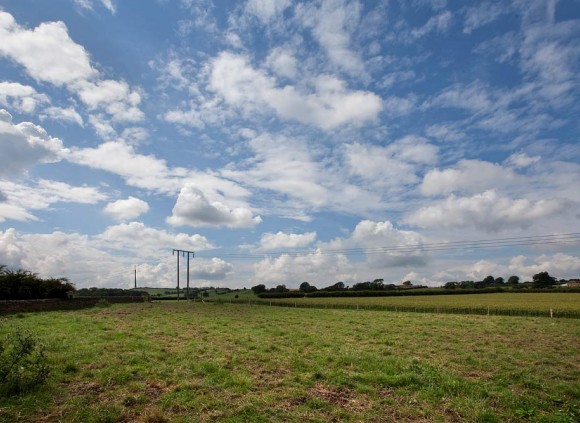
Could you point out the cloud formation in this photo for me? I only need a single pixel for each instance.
(327, 104)
(281, 240)
(488, 211)
(126, 209)
(25, 144)
(192, 208)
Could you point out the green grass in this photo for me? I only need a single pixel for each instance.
(226, 362)
(562, 304)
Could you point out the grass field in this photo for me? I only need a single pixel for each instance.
(189, 362)
(561, 304)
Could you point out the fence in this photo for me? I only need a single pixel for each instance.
(571, 314)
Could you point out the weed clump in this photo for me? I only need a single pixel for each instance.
(102, 303)
(23, 362)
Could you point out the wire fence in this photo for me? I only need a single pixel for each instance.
(490, 311)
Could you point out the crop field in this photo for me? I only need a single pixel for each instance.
(561, 304)
(190, 362)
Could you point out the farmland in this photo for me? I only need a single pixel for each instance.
(562, 304)
(187, 361)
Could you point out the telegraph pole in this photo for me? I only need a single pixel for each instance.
(135, 277)
(183, 253)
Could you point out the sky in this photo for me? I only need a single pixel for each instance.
(286, 141)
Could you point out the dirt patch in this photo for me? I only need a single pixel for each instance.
(341, 397)
(85, 388)
(154, 390)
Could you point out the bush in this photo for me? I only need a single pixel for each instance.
(287, 294)
(23, 363)
(103, 303)
(25, 285)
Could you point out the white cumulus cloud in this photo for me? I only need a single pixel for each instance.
(22, 98)
(279, 240)
(24, 145)
(329, 104)
(469, 176)
(488, 211)
(193, 208)
(126, 209)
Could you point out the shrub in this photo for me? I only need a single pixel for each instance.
(25, 285)
(288, 294)
(23, 363)
(103, 303)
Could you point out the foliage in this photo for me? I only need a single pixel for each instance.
(23, 363)
(399, 293)
(306, 287)
(109, 292)
(25, 285)
(103, 303)
(280, 289)
(339, 286)
(258, 289)
(543, 280)
(283, 294)
(513, 280)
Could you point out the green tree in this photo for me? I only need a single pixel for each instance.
(339, 286)
(513, 280)
(378, 284)
(543, 280)
(306, 287)
(258, 289)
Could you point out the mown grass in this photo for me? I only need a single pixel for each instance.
(187, 362)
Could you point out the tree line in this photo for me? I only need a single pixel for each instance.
(24, 285)
(539, 281)
(306, 287)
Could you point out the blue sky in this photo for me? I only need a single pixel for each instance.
(288, 141)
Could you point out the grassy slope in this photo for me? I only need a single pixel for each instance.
(208, 362)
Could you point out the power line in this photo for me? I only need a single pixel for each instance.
(183, 253)
(566, 239)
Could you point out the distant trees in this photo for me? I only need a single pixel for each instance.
(306, 287)
(110, 292)
(543, 280)
(258, 289)
(540, 280)
(24, 285)
(339, 286)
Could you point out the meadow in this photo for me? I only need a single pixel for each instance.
(521, 304)
(190, 362)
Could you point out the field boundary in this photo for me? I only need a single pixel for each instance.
(482, 311)
(26, 306)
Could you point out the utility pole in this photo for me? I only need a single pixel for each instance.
(135, 277)
(183, 253)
